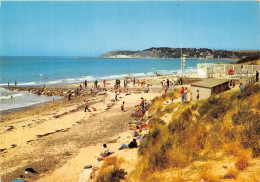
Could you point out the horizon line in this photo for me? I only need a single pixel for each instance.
(130, 0)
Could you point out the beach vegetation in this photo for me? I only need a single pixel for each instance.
(111, 171)
(231, 174)
(227, 123)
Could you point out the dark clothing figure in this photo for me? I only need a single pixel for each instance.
(15, 83)
(86, 83)
(132, 144)
(168, 83)
(198, 95)
(181, 82)
(257, 76)
(86, 108)
(69, 96)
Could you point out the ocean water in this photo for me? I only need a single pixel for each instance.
(62, 70)
(29, 71)
(16, 99)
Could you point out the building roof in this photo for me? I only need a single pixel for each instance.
(209, 83)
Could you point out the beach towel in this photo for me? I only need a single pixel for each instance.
(17, 180)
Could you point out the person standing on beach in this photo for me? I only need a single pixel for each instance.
(241, 87)
(96, 83)
(125, 83)
(116, 95)
(69, 96)
(91, 92)
(257, 76)
(15, 83)
(123, 107)
(86, 83)
(198, 95)
(168, 83)
(185, 93)
(142, 103)
(162, 84)
(104, 82)
(86, 106)
(181, 82)
(182, 94)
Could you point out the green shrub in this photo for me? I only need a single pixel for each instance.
(251, 133)
(241, 117)
(180, 124)
(144, 145)
(115, 175)
(194, 106)
(204, 108)
(256, 150)
(169, 108)
(155, 121)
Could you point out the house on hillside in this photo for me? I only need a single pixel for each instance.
(209, 87)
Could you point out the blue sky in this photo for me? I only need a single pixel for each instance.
(92, 28)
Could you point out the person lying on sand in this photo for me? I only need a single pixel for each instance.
(128, 92)
(132, 144)
(138, 112)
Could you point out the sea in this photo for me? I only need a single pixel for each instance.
(32, 71)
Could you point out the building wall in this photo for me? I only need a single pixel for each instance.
(204, 92)
(220, 88)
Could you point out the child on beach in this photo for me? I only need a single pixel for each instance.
(182, 94)
(185, 93)
(116, 96)
(198, 95)
(123, 107)
(104, 82)
(86, 106)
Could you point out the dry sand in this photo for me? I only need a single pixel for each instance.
(58, 140)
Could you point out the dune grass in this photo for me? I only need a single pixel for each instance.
(229, 122)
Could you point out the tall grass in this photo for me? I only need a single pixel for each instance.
(228, 121)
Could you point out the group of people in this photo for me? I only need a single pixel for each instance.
(141, 108)
(184, 95)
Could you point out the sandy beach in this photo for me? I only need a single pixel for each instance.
(58, 139)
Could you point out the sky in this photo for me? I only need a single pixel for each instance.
(69, 28)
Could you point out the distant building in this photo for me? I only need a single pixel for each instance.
(209, 87)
